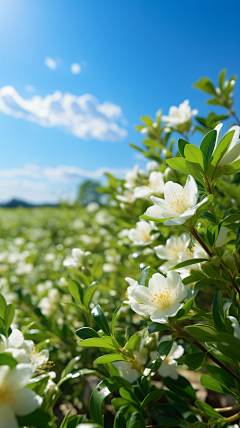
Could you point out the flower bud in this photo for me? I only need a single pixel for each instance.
(216, 261)
(210, 270)
(229, 261)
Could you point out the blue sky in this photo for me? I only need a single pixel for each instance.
(138, 55)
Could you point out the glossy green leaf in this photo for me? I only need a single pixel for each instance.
(119, 421)
(207, 145)
(164, 348)
(76, 291)
(86, 333)
(232, 168)
(193, 360)
(217, 310)
(203, 282)
(181, 146)
(194, 154)
(132, 342)
(207, 409)
(130, 396)
(114, 318)
(100, 319)
(182, 387)
(221, 376)
(3, 305)
(9, 315)
(38, 419)
(136, 421)
(202, 332)
(103, 342)
(69, 367)
(188, 263)
(88, 293)
(209, 216)
(204, 84)
(186, 167)
(152, 397)
(110, 358)
(214, 385)
(185, 309)
(155, 326)
(166, 415)
(102, 390)
(8, 360)
(221, 149)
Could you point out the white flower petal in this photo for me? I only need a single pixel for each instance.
(159, 316)
(169, 190)
(231, 155)
(26, 401)
(191, 191)
(19, 376)
(15, 339)
(7, 417)
(222, 236)
(172, 310)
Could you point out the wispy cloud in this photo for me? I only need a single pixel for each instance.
(76, 68)
(50, 63)
(84, 117)
(48, 184)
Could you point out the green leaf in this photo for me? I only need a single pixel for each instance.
(157, 220)
(207, 409)
(144, 275)
(103, 342)
(64, 422)
(217, 310)
(181, 146)
(188, 263)
(38, 419)
(8, 360)
(209, 216)
(103, 389)
(69, 367)
(114, 318)
(3, 305)
(228, 345)
(231, 218)
(110, 358)
(186, 167)
(147, 120)
(100, 319)
(164, 348)
(207, 281)
(182, 387)
(185, 309)
(9, 315)
(89, 293)
(130, 396)
(166, 415)
(212, 233)
(204, 84)
(232, 168)
(207, 145)
(193, 360)
(136, 421)
(119, 421)
(132, 342)
(76, 291)
(221, 149)
(202, 332)
(152, 398)
(221, 376)
(214, 385)
(221, 78)
(155, 326)
(86, 333)
(194, 154)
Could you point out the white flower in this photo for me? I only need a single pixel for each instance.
(179, 115)
(77, 258)
(152, 165)
(109, 267)
(233, 152)
(127, 197)
(236, 326)
(222, 236)
(15, 399)
(169, 363)
(141, 234)
(161, 299)
(131, 370)
(174, 251)
(131, 178)
(155, 186)
(49, 304)
(92, 206)
(131, 290)
(179, 204)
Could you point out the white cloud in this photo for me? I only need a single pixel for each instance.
(84, 117)
(76, 68)
(50, 63)
(39, 185)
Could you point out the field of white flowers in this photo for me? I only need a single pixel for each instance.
(127, 315)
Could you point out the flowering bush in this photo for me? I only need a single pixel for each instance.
(136, 303)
